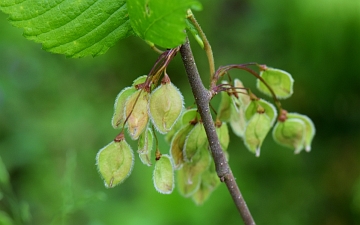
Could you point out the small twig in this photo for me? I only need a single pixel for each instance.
(202, 98)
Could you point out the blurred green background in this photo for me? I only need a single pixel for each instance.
(55, 115)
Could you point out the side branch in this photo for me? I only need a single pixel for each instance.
(202, 98)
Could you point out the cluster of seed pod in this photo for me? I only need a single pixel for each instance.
(189, 149)
(141, 108)
(251, 118)
(137, 109)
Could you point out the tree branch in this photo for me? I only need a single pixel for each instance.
(202, 98)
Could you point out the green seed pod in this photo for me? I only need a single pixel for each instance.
(290, 133)
(186, 186)
(164, 175)
(119, 107)
(238, 122)
(243, 96)
(137, 114)
(165, 107)
(309, 129)
(201, 194)
(195, 140)
(223, 134)
(189, 176)
(145, 146)
(190, 115)
(280, 81)
(261, 106)
(226, 107)
(256, 131)
(115, 162)
(177, 145)
(185, 118)
(139, 80)
(209, 182)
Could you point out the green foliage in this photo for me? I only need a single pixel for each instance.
(73, 28)
(160, 22)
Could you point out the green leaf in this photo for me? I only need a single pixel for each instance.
(161, 22)
(73, 28)
(164, 175)
(115, 162)
(280, 81)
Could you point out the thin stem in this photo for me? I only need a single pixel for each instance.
(202, 98)
(207, 46)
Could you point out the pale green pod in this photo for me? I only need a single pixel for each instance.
(145, 146)
(209, 182)
(189, 176)
(177, 145)
(238, 122)
(268, 108)
(164, 175)
(115, 162)
(243, 96)
(223, 135)
(280, 81)
(290, 133)
(210, 178)
(190, 115)
(169, 135)
(139, 80)
(226, 107)
(185, 118)
(195, 140)
(136, 111)
(201, 194)
(256, 131)
(186, 186)
(118, 118)
(309, 129)
(165, 107)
